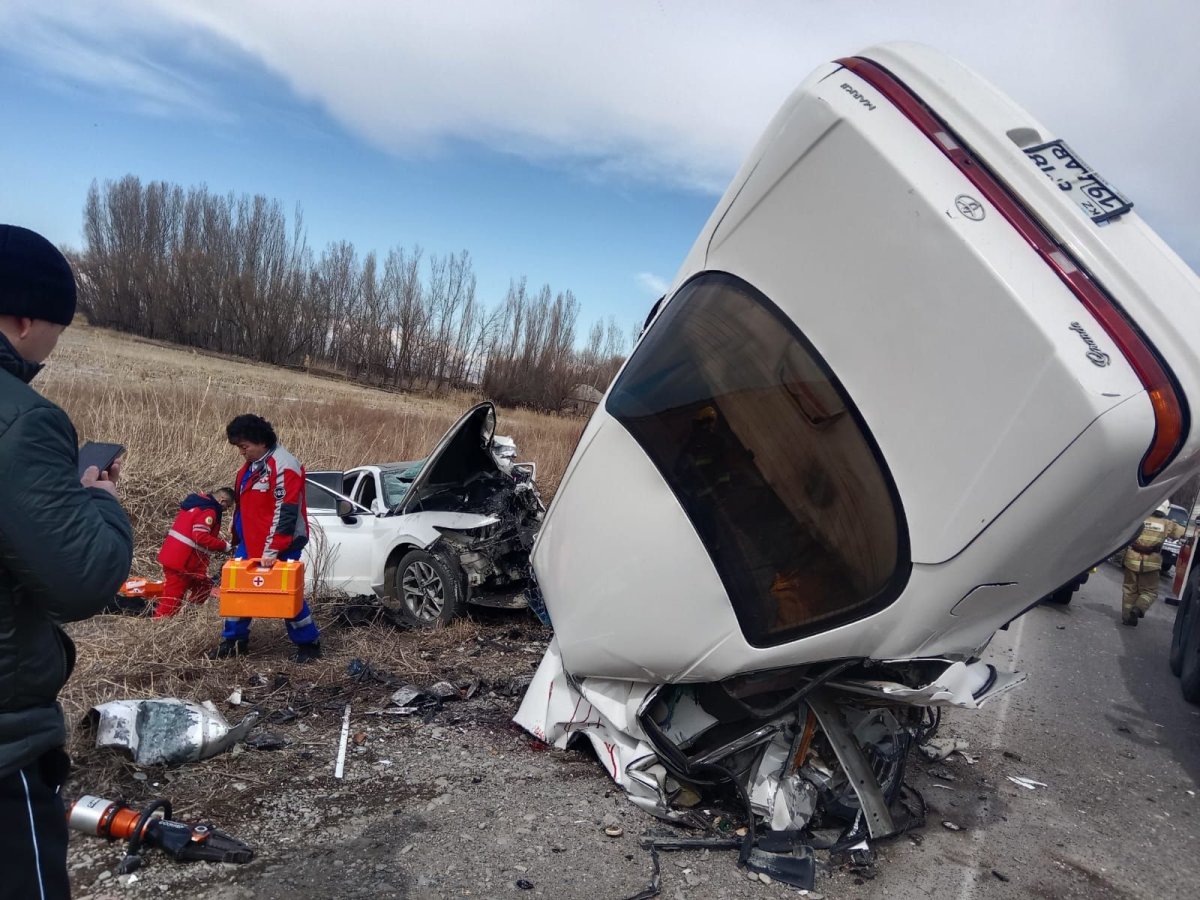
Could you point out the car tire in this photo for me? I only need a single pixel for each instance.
(427, 589)
(1189, 673)
(1179, 630)
(1062, 596)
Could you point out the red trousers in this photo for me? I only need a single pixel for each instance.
(178, 586)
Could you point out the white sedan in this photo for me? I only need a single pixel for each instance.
(429, 536)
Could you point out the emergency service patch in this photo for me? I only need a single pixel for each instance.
(278, 493)
(208, 520)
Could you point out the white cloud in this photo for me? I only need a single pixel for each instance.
(115, 49)
(670, 93)
(654, 285)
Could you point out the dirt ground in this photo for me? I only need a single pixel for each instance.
(453, 802)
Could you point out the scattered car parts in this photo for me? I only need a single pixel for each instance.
(165, 731)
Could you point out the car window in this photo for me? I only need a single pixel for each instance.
(396, 482)
(769, 459)
(349, 482)
(365, 492)
(318, 499)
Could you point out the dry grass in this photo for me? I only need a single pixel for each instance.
(136, 657)
(169, 408)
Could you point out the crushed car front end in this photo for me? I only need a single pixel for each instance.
(916, 328)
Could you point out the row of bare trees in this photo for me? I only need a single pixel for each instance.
(230, 274)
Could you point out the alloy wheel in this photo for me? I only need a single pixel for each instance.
(423, 591)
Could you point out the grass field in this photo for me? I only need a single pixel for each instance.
(169, 407)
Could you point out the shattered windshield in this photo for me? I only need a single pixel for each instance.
(769, 460)
(397, 480)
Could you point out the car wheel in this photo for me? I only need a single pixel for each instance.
(1175, 659)
(1189, 673)
(1062, 596)
(427, 589)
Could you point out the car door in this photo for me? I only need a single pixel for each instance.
(338, 556)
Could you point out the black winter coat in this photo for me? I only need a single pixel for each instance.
(64, 552)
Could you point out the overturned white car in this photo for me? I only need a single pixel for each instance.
(429, 536)
(916, 328)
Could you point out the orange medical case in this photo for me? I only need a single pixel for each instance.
(248, 591)
(141, 587)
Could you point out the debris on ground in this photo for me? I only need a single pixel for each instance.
(165, 731)
(1028, 783)
(340, 766)
(938, 749)
(266, 740)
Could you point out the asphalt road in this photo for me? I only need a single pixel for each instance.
(1101, 721)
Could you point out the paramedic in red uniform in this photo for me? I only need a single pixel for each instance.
(195, 533)
(271, 524)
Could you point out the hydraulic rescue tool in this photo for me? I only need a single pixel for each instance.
(118, 821)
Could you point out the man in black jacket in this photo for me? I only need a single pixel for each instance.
(65, 548)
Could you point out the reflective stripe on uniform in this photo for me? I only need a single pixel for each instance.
(187, 541)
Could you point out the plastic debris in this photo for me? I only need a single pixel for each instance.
(1028, 783)
(235, 699)
(407, 695)
(339, 767)
(950, 826)
(938, 749)
(444, 690)
(266, 740)
(165, 731)
(614, 831)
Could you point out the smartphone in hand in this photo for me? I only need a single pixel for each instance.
(100, 455)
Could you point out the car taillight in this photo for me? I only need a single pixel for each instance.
(1170, 412)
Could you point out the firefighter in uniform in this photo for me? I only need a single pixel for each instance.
(195, 533)
(271, 524)
(1143, 564)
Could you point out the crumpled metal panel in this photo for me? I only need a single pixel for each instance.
(166, 731)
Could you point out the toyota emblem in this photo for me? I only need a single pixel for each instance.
(969, 207)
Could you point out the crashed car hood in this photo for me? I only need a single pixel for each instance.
(460, 453)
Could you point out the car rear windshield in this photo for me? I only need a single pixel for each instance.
(769, 459)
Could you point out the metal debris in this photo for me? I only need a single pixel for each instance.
(165, 731)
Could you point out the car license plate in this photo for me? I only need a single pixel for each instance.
(1091, 193)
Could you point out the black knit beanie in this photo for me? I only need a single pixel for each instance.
(35, 279)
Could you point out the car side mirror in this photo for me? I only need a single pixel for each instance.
(345, 510)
